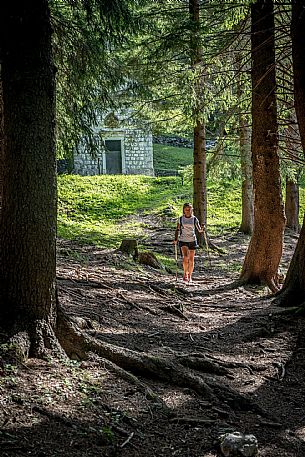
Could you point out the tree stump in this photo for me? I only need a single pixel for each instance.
(130, 247)
(149, 258)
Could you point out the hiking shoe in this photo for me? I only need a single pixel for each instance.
(190, 280)
(185, 278)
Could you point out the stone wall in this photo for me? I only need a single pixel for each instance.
(137, 153)
(138, 148)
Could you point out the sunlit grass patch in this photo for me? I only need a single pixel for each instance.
(102, 210)
(224, 205)
(98, 209)
(171, 157)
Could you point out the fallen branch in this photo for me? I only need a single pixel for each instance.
(193, 420)
(127, 441)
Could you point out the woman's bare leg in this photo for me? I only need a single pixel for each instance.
(185, 252)
(191, 262)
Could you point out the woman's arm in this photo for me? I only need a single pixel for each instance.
(177, 232)
(199, 228)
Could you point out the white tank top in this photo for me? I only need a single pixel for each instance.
(187, 228)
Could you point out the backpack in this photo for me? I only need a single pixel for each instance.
(196, 221)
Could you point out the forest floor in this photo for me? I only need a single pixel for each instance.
(50, 408)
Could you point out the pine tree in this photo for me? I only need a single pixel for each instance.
(265, 249)
(293, 290)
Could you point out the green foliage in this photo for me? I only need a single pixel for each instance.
(100, 209)
(302, 203)
(180, 159)
(172, 89)
(171, 158)
(85, 33)
(103, 210)
(227, 164)
(224, 205)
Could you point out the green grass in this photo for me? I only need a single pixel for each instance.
(98, 209)
(171, 158)
(302, 204)
(103, 210)
(224, 205)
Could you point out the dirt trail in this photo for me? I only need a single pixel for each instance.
(84, 409)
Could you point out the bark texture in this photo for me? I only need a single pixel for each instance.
(265, 248)
(298, 56)
(246, 225)
(292, 205)
(200, 192)
(1, 141)
(199, 181)
(293, 291)
(28, 216)
(292, 142)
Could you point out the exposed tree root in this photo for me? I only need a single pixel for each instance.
(273, 284)
(234, 398)
(193, 421)
(19, 346)
(213, 247)
(38, 340)
(44, 341)
(261, 280)
(177, 369)
(171, 370)
(289, 297)
(202, 363)
(123, 374)
(176, 309)
(205, 241)
(233, 285)
(74, 341)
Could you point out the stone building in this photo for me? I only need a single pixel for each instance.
(125, 148)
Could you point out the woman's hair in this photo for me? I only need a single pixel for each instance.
(187, 205)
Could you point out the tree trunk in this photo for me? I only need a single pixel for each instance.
(246, 225)
(200, 192)
(199, 181)
(293, 291)
(292, 205)
(28, 216)
(265, 248)
(292, 140)
(298, 55)
(1, 142)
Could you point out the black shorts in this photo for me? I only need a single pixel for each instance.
(192, 245)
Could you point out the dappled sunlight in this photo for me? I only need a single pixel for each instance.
(147, 312)
(104, 203)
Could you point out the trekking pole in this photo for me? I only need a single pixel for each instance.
(207, 245)
(176, 258)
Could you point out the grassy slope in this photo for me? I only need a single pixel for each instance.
(99, 209)
(171, 158)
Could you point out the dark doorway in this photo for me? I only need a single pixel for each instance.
(113, 154)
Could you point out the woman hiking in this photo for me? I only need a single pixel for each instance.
(185, 236)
